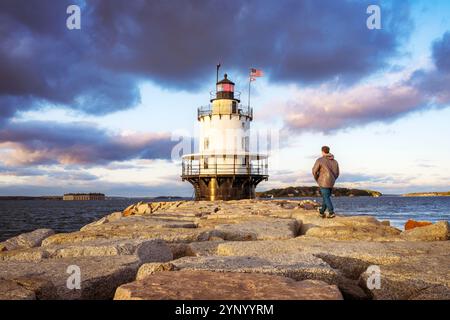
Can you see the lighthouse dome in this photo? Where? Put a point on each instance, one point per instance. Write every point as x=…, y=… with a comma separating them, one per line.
x=226, y=80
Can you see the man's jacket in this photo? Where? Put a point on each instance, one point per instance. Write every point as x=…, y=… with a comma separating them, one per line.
x=326, y=171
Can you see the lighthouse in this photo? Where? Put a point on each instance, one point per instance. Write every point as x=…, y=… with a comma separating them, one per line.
x=224, y=167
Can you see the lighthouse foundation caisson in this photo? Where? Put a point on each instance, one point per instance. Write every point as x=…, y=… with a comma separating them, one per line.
x=224, y=186
x=224, y=168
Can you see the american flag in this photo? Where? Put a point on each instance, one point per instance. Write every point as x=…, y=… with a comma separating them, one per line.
x=254, y=73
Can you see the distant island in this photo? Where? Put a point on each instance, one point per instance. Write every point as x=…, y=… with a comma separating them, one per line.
x=315, y=192
x=427, y=194
x=67, y=196
x=169, y=198
x=83, y=196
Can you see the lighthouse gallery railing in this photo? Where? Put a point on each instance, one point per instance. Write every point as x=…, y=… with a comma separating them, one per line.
x=240, y=110
x=195, y=167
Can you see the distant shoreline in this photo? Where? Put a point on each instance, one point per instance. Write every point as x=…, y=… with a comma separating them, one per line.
x=31, y=198
x=427, y=194
x=260, y=195
x=313, y=191
x=60, y=198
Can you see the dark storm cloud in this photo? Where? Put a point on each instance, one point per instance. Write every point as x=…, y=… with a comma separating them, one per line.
x=436, y=83
x=176, y=43
x=42, y=62
x=441, y=52
x=37, y=142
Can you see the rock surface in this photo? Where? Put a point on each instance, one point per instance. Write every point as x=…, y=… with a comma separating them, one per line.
x=145, y=250
x=104, y=265
x=11, y=290
x=298, y=266
x=269, y=229
x=100, y=276
x=26, y=240
x=141, y=208
x=414, y=278
x=27, y=288
x=169, y=235
x=403, y=275
x=205, y=285
x=366, y=232
x=438, y=231
x=109, y=218
x=345, y=228
x=411, y=224
x=239, y=244
x=150, y=268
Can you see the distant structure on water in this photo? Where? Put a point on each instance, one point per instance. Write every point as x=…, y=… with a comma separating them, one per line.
x=84, y=196
x=224, y=168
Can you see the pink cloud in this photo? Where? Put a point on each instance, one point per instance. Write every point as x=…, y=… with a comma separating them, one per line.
x=326, y=109
x=40, y=142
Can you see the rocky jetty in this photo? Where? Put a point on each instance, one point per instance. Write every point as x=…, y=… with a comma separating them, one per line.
x=247, y=249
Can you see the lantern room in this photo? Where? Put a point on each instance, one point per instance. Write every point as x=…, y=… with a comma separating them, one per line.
x=225, y=89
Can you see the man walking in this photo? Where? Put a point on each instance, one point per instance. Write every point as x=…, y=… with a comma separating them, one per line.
x=325, y=172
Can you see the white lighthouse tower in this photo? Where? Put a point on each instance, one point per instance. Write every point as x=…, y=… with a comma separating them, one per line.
x=224, y=168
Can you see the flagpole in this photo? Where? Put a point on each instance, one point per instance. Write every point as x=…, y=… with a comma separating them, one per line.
x=249, y=85
x=217, y=72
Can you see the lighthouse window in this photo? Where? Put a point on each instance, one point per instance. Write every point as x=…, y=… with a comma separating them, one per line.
x=206, y=143
x=205, y=163
x=225, y=87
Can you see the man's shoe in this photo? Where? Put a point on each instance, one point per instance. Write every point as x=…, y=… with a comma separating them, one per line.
x=331, y=215
x=321, y=214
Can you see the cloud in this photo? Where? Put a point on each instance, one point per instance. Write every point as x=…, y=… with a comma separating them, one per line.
x=326, y=108
x=292, y=40
x=42, y=62
x=441, y=52
x=98, y=69
x=365, y=178
x=22, y=172
x=330, y=107
x=42, y=142
x=60, y=174
x=435, y=82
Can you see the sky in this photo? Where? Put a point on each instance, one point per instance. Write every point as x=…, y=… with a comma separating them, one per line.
x=110, y=106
